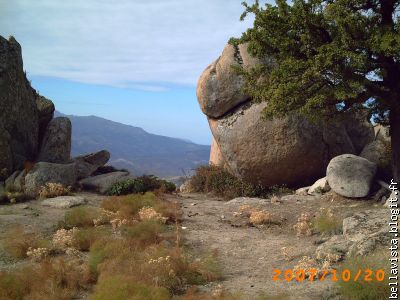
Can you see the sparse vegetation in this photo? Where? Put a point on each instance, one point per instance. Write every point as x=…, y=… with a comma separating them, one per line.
x=143, y=184
x=51, y=190
x=327, y=223
x=17, y=242
x=216, y=180
x=362, y=289
x=81, y=216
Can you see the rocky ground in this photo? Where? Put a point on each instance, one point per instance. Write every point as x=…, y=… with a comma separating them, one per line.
x=248, y=254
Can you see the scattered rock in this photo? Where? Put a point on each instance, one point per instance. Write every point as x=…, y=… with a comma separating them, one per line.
x=87, y=164
x=102, y=183
x=302, y=191
x=56, y=144
x=376, y=152
x=320, y=186
x=19, y=181
x=382, y=133
x=44, y=172
x=362, y=233
x=64, y=201
x=351, y=176
x=9, y=183
x=247, y=201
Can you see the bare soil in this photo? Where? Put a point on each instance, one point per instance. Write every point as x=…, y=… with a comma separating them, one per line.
x=248, y=254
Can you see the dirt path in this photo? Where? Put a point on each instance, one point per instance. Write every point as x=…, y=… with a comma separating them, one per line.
x=249, y=254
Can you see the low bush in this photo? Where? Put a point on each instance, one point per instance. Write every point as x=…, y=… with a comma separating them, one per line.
x=56, y=279
x=142, y=185
x=327, y=223
x=17, y=242
x=216, y=180
x=362, y=289
x=129, y=205
x=81, y=216
x=124, y=287
x=84, y=238
x=51, y=190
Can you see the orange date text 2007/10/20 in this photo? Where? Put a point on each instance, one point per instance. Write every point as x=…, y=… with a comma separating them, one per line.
x=311, y=275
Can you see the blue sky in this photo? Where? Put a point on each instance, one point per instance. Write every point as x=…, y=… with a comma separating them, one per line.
x=131, y=61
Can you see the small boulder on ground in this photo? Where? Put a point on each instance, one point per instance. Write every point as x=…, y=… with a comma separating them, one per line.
x=56, y=144
x=102, y=183
x=44, y=172
x=320, y=186
x=302, y=191
x=64, y=201
x=350, y=175
x=87, y=164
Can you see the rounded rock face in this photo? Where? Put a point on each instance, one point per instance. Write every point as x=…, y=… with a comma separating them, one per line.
x=56, y=145
x=289, y=150
x=219, y=87
x=350, y=175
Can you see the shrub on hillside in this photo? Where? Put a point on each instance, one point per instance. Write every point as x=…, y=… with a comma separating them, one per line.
x=141, y=185
x=216, y=180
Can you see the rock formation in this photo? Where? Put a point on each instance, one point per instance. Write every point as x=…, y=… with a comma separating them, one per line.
x=35, y=149
x=290, y=150
x=19, y=114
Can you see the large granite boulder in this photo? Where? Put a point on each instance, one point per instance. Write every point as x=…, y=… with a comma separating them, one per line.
x=219, y=87
x=56, y=144
x=45, y=172
x=19, y=117
x=350, y=175
x=87, y=164
x=290, y=150
x=216, y=158
x=102, y=183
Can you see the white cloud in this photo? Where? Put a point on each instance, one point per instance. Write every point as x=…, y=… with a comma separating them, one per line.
x=139, y=44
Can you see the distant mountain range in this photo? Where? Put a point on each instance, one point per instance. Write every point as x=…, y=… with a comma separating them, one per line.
x=134, y=149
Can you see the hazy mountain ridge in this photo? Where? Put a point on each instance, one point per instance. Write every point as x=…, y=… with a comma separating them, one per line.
x=135, y=149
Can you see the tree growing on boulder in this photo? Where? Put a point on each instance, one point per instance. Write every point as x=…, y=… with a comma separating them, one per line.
x=328, y=57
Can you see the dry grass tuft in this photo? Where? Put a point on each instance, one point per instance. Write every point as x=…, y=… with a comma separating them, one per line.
x=304, y=226
x=17, y=242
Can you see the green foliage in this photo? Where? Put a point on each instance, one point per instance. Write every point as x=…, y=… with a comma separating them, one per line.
x=141, y=184
x=324, y=57
x=144, y=233
x=81, y=216
x=362, y=289
x=213, y=179
x=327, y=223
x=129, y=205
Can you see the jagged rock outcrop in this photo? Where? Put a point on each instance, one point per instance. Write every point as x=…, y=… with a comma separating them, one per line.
x=290, y=150
x=56, y=144
x=362, y=234
x=19, y=116
x=87, y=164
x=46, y=110
x=350, y=175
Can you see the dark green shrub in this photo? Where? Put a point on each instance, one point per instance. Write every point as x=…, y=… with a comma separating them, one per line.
x=141, y=184
x=216, y=180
